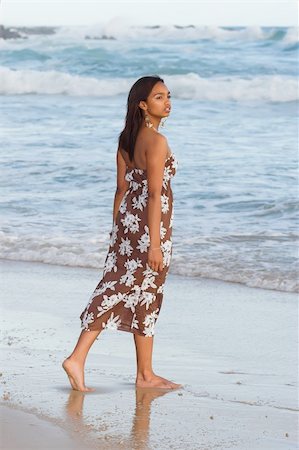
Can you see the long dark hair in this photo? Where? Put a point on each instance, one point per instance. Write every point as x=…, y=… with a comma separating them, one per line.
x=138, y=92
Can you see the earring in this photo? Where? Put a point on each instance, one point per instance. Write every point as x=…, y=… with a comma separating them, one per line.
x=148, y=123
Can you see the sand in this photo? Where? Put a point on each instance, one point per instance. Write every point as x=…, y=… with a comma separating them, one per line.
x=233, y=348
x=22, y=430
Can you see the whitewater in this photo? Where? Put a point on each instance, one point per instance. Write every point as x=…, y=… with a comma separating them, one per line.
x=232, y=127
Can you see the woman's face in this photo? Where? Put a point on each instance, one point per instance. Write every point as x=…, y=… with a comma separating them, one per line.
x=158, y=102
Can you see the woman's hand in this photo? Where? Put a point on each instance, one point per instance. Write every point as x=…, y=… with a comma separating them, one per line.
x=155, y=259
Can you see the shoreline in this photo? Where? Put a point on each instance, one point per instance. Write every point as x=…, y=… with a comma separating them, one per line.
x=231, y=346
x=191, y=278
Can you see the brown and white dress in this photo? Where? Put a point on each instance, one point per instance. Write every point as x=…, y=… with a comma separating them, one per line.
x=129, y=295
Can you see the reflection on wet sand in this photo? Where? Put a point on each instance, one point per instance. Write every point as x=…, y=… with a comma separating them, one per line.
x=139, y=436
x=141, y=421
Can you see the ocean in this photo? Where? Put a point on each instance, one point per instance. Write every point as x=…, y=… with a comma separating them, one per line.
x=232, y=127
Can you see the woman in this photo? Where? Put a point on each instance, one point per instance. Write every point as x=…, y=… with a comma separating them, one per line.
x=129, y=296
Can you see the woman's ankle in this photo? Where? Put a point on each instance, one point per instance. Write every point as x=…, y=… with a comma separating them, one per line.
x=76, y=359
x=145, y=374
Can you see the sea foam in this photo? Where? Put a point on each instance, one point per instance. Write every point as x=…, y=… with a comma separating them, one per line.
x=272, y=88
x=63, y=250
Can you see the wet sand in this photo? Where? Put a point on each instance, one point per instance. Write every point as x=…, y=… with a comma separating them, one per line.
x=22, y=430
x=232, y=347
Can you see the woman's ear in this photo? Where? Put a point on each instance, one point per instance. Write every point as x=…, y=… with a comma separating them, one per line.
x=142, y=105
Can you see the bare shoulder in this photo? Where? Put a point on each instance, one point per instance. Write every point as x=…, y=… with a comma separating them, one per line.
x=157, y=146
x=159, y=138
x=152, y=136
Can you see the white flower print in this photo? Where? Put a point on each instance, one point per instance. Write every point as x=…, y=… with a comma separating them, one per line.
x=138, y=291
x=149, y=323
x=123, y=207
x=134, y=323
x=160, y=289
x=151, y=318
x=162, y=231
x=109, y=285
x=110, y=263
x=149, y=330
x=123, y=204
x=130, y=222
x=149, y=278
x=140, y=202
x=135, y=185
x=87, y=319
x=125, y=247
x=103, y=287
x=166, y=250
x=108, y=302
x=148, y=299
x=132, y=264
x=164, y=203
x=128, y=278
x=114, y=231
x=144, y=241
x=174, y=163
x=167, y=176
x=130, y=175
x=112, y=323
x=149, y=271
x=131, y=300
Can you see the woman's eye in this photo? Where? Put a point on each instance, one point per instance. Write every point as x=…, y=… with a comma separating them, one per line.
x=160, y=96
x=169, y=96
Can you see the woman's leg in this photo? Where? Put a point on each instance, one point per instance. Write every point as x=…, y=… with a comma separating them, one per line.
x=145, y=376
x=74, y=364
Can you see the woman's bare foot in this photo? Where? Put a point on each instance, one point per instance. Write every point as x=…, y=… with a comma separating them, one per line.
x=75, y=373
x=154, y=381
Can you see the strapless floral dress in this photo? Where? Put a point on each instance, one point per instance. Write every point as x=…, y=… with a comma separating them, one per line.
x=129, y=295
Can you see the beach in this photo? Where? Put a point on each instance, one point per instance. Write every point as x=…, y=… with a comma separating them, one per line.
x=232, y=347
x=228, y=327
x=32, y=433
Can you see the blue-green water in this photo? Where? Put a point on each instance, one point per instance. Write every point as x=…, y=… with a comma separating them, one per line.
x=232, y=127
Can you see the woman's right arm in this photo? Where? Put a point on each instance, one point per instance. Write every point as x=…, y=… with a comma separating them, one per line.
x=122, y=184
x=155, y=164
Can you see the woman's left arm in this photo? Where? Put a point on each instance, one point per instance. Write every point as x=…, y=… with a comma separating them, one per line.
x=122, y=184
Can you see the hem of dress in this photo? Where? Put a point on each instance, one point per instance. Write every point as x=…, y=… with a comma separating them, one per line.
x=128, y=330
x=132, y=330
